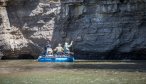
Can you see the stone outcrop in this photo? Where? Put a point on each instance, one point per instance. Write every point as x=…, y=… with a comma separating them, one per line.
x=27, y=25
x=100, y=28
x=104, y=27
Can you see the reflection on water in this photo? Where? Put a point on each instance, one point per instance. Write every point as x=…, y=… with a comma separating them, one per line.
x=79, y=72
x=33, y=65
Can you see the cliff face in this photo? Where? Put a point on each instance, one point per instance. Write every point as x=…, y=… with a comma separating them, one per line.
x=27, y=25
x=105, y=26
x=99, y=27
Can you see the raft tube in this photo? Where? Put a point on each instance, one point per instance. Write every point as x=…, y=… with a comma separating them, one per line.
x=56, y=59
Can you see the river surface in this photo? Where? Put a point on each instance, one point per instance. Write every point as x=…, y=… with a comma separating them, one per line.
x=78, y=72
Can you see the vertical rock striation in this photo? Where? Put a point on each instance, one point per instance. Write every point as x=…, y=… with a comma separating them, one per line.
x=28, y=25
x=4, y=26
x=107, y=27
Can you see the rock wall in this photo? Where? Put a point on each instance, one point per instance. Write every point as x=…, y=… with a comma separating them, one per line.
x=102, y=29
x=28, y=25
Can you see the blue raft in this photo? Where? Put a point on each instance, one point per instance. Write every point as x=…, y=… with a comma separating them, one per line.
x=56, y=59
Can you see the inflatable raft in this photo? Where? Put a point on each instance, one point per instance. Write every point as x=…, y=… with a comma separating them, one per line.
x=49, y=57
x=56, y=59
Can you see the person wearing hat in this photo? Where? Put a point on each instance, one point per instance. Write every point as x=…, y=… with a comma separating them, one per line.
x=49, y=51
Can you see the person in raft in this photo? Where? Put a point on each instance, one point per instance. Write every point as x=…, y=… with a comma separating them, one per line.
x=49, y=51
x=59, y=50
x=66, y=47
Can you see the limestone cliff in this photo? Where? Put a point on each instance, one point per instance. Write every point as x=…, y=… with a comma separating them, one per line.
x=27, y=25
x=100, y=28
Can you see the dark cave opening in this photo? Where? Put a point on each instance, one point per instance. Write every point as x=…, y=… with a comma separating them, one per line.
x=112, y=55
x=122, y=1
x=20, y=56
x=25, y=56
x=4, y=58
x=1, y=3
